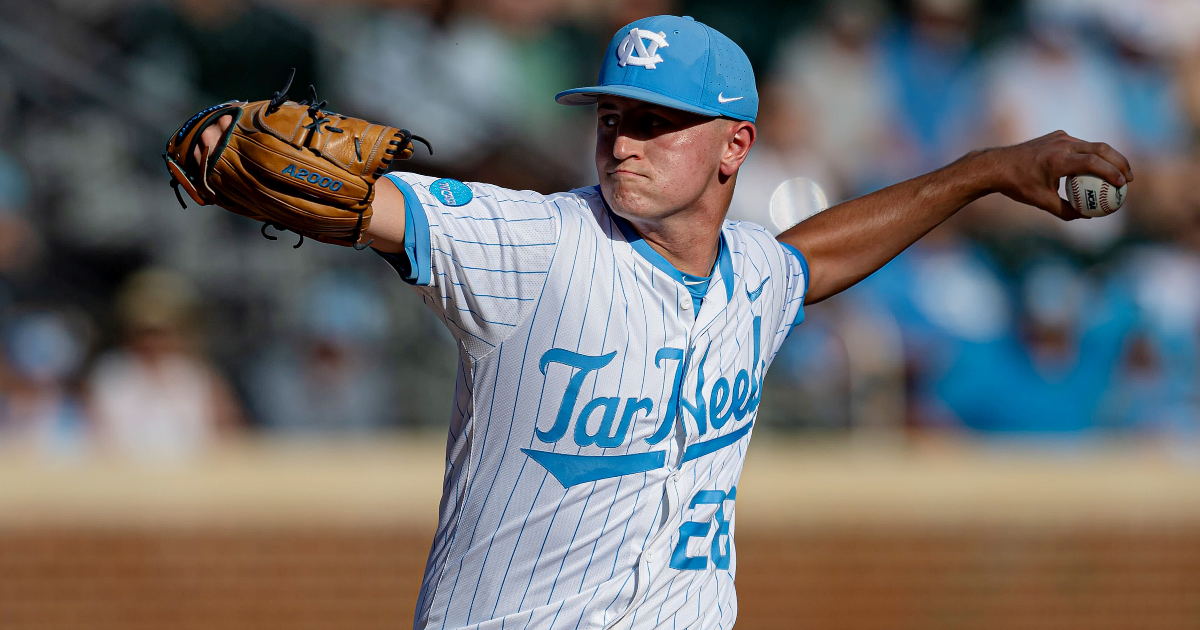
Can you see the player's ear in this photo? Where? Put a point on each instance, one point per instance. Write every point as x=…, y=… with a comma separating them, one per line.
x=739, y=139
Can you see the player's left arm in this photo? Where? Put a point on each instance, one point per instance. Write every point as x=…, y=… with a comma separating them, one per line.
x=851, y=240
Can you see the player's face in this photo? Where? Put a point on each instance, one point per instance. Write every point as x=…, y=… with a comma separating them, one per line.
x=654, y=161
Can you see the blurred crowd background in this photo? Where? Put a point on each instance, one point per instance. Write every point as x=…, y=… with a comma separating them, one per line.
x=130, y=325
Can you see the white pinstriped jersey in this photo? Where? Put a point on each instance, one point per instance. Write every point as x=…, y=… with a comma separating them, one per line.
x=602, y=412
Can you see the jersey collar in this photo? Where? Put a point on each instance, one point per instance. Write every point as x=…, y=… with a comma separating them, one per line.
x=696, y=285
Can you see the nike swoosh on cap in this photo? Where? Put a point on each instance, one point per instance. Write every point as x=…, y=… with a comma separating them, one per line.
x=721, y=98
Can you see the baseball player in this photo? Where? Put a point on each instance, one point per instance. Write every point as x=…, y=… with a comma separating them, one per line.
x=612, y=339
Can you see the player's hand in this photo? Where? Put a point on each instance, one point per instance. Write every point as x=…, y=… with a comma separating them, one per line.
x=210, y=137
x=1030, y=172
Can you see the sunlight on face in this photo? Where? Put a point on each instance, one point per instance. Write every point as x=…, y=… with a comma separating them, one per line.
x=654, y=161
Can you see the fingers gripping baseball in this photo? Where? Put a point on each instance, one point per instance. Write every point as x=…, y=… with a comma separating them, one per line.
x=1111, y=157
x=1090, y=164
x=1030, y=172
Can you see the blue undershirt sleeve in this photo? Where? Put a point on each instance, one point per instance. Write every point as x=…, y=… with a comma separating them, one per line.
x=803, y=291
x=414, y=264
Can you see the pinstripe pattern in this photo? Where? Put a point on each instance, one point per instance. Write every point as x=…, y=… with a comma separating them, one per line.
x=600, y=421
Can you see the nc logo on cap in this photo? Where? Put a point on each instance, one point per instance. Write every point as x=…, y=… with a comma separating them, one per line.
x=706, y=72
x=647, y=56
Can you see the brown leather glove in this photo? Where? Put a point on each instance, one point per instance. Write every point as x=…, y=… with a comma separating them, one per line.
x=290, y=165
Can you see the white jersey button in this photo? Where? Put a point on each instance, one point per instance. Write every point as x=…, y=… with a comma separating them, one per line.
x=686, y=303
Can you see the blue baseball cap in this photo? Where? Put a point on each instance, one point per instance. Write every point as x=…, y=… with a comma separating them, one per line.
x=675, y=62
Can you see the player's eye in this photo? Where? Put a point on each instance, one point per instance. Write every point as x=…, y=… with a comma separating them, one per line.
x=655, y=124
x=609, y=120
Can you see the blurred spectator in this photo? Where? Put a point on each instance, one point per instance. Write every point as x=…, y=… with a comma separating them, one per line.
x=810, y=378
x=1153, y=122
x=19, y=239
x=40, y=406
x=1151, y=62
x=830, y=96
x=1053, y=375
x=157, y=398
x=843, y=369
x=193, y=53
x=934, y=74
x=119, y=205
x=943, y=293
x=1158, y=391
x=335, y=379
x=1054, y=78
x=479, y=84
x=1189, y=82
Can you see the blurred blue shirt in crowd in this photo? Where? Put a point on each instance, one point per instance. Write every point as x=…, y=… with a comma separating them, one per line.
x=1000, y=386
x=937, y=86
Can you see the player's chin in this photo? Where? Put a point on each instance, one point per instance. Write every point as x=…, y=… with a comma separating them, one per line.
x=627, y=201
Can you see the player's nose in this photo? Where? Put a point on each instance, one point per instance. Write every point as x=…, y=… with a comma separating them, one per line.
x=625, y=147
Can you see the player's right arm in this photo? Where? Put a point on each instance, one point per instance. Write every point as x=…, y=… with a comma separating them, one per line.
x=387, y=224
x=850, y=241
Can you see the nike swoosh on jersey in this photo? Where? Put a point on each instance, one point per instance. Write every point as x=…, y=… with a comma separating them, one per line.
x=721, y=98
x=753, y=295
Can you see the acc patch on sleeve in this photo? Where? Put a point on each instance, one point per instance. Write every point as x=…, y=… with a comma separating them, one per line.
x=451, y=192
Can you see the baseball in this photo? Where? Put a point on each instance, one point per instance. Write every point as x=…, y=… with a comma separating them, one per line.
x=1094, y=197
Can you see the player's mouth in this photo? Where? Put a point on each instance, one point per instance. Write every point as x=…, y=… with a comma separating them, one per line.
x=620, y=172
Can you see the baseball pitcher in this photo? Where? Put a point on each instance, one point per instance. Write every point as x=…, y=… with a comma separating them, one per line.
x=612, y=339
